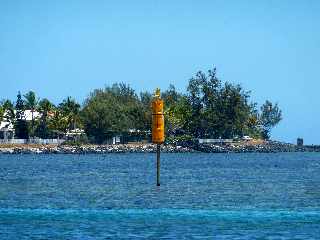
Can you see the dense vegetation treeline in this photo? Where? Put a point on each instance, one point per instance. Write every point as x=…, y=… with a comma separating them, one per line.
x=208, y=109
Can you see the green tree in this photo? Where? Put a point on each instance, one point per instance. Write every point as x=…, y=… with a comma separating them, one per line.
x=218, y=110
x=45, y=108
x=233, y=111
x=211, y=99
x=172, y=110
x=270, y=116
x=195, y=98
x=1, y=113
x=71, y=110
x=112, y=111
x=101, y=116
x=8, y=111
x=177, y=117
x=58, y=124
x=21, y=127
x=146, y=104
x=31, y=103
x=252, y=127
x=170, y=96
x=130, y=106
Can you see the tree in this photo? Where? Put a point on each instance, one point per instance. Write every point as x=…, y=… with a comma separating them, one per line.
x=177, y=117
x=58, y=124
x=233, y=111
x=45, y=108
x=252, y=127
x=21, y=127
x=102, y=114
x=31, y=103
x=270, y=116
x=219, y=110
x=209, y=108
x=1, y=113
x=112, y=111
x=71, y=110
x=172, y=110
x=146, y=102
x=170, y=96
x=195, y=99
x=8, y=114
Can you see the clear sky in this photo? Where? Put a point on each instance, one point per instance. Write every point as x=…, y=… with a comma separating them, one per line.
x=60, y=48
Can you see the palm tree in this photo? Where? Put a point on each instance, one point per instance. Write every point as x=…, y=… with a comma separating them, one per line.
x=71, y=109
x=1, y=113
x=45, y=108
x=31, y=102
x=8, y=111
x=7, y=115
x=58, y=123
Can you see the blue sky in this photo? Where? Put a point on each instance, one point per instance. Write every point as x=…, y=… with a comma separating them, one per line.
x=61, y=48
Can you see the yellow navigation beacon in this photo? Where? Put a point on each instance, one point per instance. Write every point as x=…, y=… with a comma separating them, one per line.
x=157, y=118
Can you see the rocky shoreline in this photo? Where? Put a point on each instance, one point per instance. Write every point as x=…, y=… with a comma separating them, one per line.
x=266, y=147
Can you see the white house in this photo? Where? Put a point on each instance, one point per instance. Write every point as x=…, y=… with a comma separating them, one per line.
x=28, y=115
x=6, y=128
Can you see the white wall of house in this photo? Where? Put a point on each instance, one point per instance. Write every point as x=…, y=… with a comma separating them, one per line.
x=28, y=115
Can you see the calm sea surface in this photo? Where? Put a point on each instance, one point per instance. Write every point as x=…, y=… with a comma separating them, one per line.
x=202, y=196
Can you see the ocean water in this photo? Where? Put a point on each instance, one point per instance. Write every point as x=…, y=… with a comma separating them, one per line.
x=202, y=196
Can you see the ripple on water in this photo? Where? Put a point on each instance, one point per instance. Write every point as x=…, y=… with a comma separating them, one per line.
x=225, y=196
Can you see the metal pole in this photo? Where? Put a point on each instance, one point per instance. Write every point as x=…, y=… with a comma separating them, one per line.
x=158, y=164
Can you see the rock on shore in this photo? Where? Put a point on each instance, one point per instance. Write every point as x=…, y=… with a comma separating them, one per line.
x=98, y=149
x=265, y=147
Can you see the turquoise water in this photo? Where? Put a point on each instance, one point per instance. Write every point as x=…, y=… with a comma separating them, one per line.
x=202, y=196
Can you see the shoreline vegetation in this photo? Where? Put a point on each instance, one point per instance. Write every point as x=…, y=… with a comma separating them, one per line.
x=207, y=109
x=240, y=147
